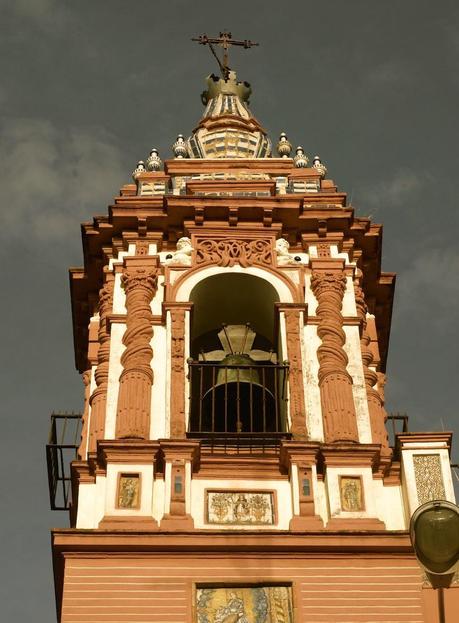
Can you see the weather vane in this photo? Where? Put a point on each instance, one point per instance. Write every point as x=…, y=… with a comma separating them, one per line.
x=224, y=40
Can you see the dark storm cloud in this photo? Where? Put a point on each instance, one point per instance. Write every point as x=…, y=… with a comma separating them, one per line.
x=89, y=87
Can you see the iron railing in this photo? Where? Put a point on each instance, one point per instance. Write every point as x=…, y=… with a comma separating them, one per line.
x=61, y=450
x=240, y=399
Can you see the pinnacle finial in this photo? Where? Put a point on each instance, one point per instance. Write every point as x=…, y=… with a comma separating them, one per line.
x=300, y=160
x=284, y=147
x=140, y=168
x=319, y=166
x=179, y=148
x=154, y=162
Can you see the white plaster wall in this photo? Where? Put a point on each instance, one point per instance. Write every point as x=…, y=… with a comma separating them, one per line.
x=355, y=369
x=91, y=500
x=159, y=398
x=146, y=489
x=321, y=500
x=157, y=301
x=283, y=496
x=349, y=308
x=309, y=297
x=334, y=499
x=119, y=258
x=294, y=489
x=115, y=369
x=119, y=296
x=389, y=505
x=167, y=487
x=311, y=342
x=158, y=499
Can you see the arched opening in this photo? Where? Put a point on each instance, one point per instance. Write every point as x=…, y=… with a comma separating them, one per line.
x=238, y=380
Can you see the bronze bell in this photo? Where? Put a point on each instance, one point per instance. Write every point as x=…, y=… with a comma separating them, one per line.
x=238, y=402
x=244, y=370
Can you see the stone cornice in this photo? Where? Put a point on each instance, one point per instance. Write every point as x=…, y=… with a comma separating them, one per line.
x=366, y=542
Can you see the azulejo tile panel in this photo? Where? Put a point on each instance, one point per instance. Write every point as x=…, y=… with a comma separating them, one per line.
x=240, y=507
x=250, y=604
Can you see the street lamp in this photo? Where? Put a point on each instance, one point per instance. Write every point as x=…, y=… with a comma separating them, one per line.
x=434, y=534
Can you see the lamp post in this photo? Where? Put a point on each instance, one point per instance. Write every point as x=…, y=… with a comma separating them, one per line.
x=434, y=534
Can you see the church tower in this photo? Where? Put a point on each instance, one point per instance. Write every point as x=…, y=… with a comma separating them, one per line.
x=231, y=324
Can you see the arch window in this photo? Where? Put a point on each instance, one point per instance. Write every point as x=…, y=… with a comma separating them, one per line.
x=238, y=380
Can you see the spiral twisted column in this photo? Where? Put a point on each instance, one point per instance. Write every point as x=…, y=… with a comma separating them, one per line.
x=139, y=279
x=338, y=411
x=98, y=399
x=376, y=409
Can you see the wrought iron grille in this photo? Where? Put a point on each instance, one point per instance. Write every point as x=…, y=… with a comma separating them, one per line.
x=61, y=450
x=237, y=399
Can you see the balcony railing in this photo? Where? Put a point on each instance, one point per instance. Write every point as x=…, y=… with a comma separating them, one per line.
x=61, y=450
x=237, y=399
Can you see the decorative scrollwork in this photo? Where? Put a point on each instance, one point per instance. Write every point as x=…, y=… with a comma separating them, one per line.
x=230, y=251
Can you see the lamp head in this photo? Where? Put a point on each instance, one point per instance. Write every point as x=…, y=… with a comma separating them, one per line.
x=434, y=533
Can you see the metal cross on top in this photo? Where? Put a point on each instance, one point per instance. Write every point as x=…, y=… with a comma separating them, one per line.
x=224, y=40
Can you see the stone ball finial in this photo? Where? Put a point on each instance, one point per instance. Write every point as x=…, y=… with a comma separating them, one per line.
x=179, y=147
x=140, y=168
x=319, y=166
x=300, y=160
x=284, y=147
x=154, y=162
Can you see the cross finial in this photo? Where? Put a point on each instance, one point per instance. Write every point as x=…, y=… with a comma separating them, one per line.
x=224, y=40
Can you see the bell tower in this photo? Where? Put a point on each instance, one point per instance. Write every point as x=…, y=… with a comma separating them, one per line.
x=231, y=324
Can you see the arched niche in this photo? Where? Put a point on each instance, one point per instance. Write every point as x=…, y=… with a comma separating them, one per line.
x=236, y=390
x=233, y=299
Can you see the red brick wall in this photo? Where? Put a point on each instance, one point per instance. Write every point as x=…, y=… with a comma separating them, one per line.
x=137, y=589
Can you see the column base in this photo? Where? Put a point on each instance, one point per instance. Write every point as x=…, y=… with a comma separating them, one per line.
x=115, y=522
x=176, y=523
x=361, y=523
x=305, y=523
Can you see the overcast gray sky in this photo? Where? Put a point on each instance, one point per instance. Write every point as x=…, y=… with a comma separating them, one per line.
x=87, y=88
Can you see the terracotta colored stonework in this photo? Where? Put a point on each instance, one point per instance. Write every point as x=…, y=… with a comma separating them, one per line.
x=98, y=398
x=334, y=381
x=177, y=395
x=140, y=277
x=86, y=377
x=297, y=408
x=228, y=251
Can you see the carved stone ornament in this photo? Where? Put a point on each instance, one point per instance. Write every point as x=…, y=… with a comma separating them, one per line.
x=177, y=404
x=183, y=254
x=429, y=478
x=335, y=383
x=98, y=399
x=230, y=251
x=296, y=383
x=133, y=412
x=283, y=256
x=240, y=508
